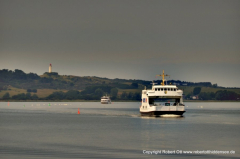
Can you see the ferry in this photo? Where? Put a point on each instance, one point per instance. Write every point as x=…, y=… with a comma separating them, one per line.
x=165, y=93
x=105, y=100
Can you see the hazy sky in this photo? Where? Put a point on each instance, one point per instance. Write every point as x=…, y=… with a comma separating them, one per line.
x=197, y=41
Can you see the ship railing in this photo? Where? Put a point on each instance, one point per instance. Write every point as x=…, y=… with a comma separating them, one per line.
x=164, y=104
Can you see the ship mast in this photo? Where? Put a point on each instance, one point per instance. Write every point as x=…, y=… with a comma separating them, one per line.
x=163, y=75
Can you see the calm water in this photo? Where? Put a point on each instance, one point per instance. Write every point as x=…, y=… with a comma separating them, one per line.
x=55, y=130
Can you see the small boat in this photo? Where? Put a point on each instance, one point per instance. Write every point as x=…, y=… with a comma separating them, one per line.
x=105, y=100
x=166, y=93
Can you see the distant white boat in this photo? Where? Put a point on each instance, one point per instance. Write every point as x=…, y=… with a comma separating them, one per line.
x=150, y=108
x=105, y=100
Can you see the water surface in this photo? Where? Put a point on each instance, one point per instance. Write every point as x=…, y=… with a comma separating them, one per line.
x=56, y=130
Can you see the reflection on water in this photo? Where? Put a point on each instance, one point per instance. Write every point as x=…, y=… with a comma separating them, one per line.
x=56, y=130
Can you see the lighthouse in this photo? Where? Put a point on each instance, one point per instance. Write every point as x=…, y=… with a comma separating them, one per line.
x=50, y=68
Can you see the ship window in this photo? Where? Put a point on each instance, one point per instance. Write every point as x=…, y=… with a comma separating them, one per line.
x=158, y=89
x=171, y=89
x=155, y=89
x=161, y=89
x=168, y=89
x=174, y=89
x=167, y=104
x=165, y=89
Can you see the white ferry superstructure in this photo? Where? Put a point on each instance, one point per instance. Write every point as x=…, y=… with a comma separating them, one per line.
x=105, y=100
x=162, y=91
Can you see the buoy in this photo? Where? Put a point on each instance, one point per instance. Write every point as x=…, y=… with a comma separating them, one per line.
x=78, y=111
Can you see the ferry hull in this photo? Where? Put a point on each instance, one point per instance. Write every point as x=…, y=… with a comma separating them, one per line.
x=159, y=113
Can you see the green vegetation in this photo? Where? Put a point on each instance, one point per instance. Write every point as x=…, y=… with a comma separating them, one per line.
x=216, y=95
x=226, y=95
x=93, y=93
x=197, y=90
x=114, y=93
x=219, y=95
x=17, y=85
x=207, y=96
x=24, y=96
x=32, y=90
x=6, y=96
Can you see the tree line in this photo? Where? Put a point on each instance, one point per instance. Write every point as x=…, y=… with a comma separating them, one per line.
x=90, y=93
x=94, y=93
x=219, y=95
x=21, y=96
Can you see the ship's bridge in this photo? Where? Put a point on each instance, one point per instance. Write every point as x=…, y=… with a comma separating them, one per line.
x=164, y=91
x=160, y=87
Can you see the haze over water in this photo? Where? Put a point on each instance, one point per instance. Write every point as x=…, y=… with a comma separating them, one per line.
x=55, y=130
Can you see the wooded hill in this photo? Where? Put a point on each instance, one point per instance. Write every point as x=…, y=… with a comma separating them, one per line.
x=21, y=85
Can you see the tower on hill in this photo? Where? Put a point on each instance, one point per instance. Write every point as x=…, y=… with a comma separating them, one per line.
x=50, y=68
x=50, y=73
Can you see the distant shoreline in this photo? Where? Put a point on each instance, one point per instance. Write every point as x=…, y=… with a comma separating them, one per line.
x=112, y=101
x=65, y=101
x=211, y=101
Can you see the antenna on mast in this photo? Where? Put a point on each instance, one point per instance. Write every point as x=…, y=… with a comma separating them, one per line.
x=163, y=75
